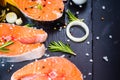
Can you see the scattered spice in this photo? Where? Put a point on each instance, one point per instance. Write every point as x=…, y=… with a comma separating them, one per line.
x=102, y=18
x=44, y=5
x=60, y=9
x=43, y=67
x=25, y=8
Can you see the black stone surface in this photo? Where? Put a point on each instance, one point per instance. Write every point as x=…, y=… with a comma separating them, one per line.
x=106, y=45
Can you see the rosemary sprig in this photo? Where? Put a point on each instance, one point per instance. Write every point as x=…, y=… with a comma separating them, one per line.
x=3, y=47
x=72, y=17
x=60, y=46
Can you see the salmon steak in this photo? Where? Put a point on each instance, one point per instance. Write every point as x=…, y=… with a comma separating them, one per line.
x=52, y=68
x=27, y=42
x=41, y=10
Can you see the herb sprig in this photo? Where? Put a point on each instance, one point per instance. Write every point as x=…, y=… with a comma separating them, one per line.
x=60, y=46
x=3, y=47
x=72, y=17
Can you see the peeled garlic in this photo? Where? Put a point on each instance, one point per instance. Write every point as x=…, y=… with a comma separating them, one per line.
x=19, y=21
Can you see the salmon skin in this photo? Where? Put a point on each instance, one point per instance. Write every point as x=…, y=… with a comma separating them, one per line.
x=27, y=42
x=41, y=10
x=52, y=68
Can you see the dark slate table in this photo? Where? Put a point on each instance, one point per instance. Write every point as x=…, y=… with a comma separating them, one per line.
x=98, y=56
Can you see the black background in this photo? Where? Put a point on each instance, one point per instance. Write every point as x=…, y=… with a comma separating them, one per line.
x=92, y=12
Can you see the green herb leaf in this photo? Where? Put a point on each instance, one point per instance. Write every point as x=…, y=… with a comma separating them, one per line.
x=59, y=46
x=39, y=6
x=29, y=25
x=72, y=17
x=4, y=50
x=2, y=47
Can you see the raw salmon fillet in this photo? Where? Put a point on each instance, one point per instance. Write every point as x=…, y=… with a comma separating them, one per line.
x=52, y=68
x=26, y=44
x=22, y=33
x=41, y=10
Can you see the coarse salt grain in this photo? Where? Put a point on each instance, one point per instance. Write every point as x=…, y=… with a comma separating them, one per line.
x=49, y=2
x=88, y=42
x=91, y=60
x=60, y=28
x=77, y=12
x=97, y=37
x=68, y=40
x=44, y=60
x=89, y=73
x=31, y=63
x=46, y=55
x=12, y=65
x=62, y=56
x=103, y=7
x=3, y=65
x=105, y=58
x=10, y=68
x=36, y=60
x=49, y=78
x=110, y=36
x=80, y=6
x=87, y=54
x=46, y=48
x=11, y=27
x=84, y=76
x=70, y=3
